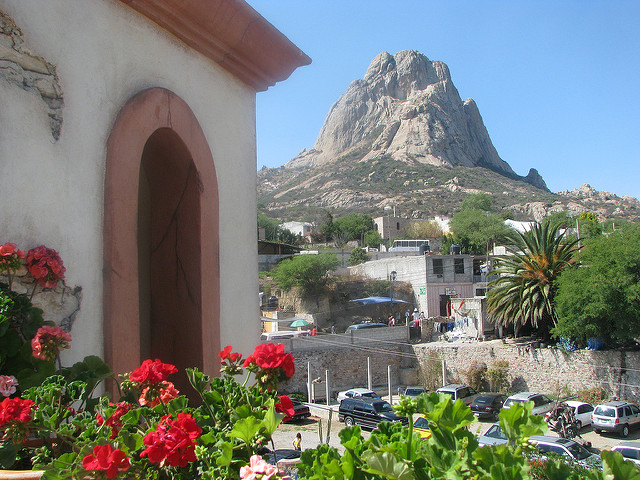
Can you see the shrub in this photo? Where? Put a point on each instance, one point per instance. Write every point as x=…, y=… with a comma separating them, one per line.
x=592, y=395
x=498, y=376
x=476, y=375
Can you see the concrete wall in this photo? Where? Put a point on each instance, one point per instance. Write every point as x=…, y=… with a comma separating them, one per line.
x=52, y=192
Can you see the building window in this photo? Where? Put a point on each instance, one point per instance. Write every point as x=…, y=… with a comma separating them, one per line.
x=437, y=266
x=481, y=292
x=458, y=265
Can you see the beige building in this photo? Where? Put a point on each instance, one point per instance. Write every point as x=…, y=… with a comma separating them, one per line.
x=127, y=129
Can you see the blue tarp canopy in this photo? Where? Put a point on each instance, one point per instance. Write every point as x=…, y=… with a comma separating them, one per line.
x=376, y=300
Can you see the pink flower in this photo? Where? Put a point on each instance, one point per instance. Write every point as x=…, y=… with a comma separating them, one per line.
x=49, y=342
x=258, y=466
x=8, y=384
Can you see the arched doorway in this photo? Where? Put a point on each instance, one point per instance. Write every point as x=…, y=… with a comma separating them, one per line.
x=161, y=262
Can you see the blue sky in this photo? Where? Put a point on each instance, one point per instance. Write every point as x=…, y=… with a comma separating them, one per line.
x=556, y=82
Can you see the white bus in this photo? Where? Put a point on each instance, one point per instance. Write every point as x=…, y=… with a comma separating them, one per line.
x=410, y=246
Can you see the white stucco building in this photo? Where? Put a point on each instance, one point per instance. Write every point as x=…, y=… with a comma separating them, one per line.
x=127, y=131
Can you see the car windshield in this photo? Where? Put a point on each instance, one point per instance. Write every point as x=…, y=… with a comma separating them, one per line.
x=578, y=451
x=413, y=391
x=383, y=407
x=484, y=399
x=605, y=411
x=451, y=394
x=421, y=423
x=496, y=432
x=370, y=395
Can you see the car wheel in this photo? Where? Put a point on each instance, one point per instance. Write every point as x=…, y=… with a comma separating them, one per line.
x=348, y=421
x=625, y=431
x=598, y=431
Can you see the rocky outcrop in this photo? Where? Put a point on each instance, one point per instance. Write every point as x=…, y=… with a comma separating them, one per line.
x=407, y=108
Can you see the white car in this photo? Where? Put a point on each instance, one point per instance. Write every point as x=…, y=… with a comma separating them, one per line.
x=357, y=392
x=459, y=392
x=582, y=411
x=629, y=450
x=541, y=403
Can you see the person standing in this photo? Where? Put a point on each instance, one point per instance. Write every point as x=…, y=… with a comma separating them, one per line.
x=297, y=442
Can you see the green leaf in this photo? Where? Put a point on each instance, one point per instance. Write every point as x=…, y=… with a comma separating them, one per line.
x=616, y=468
x=226, y=450
x=388, y=465
x=245, y=429
x=132, y=441
x=8, y=452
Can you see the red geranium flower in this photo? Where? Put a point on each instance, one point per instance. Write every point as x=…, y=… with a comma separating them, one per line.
x=115, y=420
x=10, y=257
x=49, y=342
x=106, y=458
x=45, y=265
x=269, y=356
x=152, y=397
x=15, y=410
x=172, y=442
x=285, y=405
x=226, y=354
x=152, y=371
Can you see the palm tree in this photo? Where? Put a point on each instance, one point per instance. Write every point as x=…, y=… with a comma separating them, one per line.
x=524, y=291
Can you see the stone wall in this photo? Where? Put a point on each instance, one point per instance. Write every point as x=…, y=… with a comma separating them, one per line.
x=348, y=369
x=547, y=370
x=531, y=368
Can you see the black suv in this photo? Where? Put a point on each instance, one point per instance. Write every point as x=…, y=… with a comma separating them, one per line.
x=367, y=412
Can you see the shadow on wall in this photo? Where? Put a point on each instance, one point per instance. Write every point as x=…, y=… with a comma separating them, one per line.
x=519, y=384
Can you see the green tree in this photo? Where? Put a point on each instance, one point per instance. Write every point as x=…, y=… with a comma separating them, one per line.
x=525, y=289
x=423, y=230
x=355, y=225
x=373, y=239
x=477, y=201
x=273, y=232
x=561, y=219
x=475, y=227
x=358, y=255
x=601, y=298
x=325, y=227
x=309, y=272
x=589, y=225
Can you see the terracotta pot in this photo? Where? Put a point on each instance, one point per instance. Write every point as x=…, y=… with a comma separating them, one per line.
x=20, y=474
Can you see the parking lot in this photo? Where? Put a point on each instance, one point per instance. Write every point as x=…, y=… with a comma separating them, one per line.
x=284, y=436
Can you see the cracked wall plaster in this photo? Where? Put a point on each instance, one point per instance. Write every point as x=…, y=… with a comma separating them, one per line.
x=30, y=72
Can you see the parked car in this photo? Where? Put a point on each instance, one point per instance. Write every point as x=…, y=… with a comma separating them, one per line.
x=541, y=403
x=488, y=405
x=616, y=416
x=421, y=427
x=367, y=412
x=493, y=436
x=568, y=449
x=581, y=411
x=413, y=392
x=357, y=392
x=629, y=450
x=362, y=326
x=459, y=392
x=301, y=409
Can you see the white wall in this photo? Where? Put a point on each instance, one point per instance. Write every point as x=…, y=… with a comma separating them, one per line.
x=52, y=192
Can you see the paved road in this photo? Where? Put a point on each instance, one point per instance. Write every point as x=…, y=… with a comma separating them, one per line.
x=286, y=433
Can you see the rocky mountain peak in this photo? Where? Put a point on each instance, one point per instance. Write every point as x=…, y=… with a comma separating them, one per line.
x=406, y=108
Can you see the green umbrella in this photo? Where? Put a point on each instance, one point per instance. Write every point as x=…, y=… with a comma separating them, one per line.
x=299, y=322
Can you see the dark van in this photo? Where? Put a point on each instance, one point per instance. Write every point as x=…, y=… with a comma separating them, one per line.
x=367, y=412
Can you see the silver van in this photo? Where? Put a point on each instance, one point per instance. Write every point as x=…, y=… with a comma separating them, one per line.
x=616, y=416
